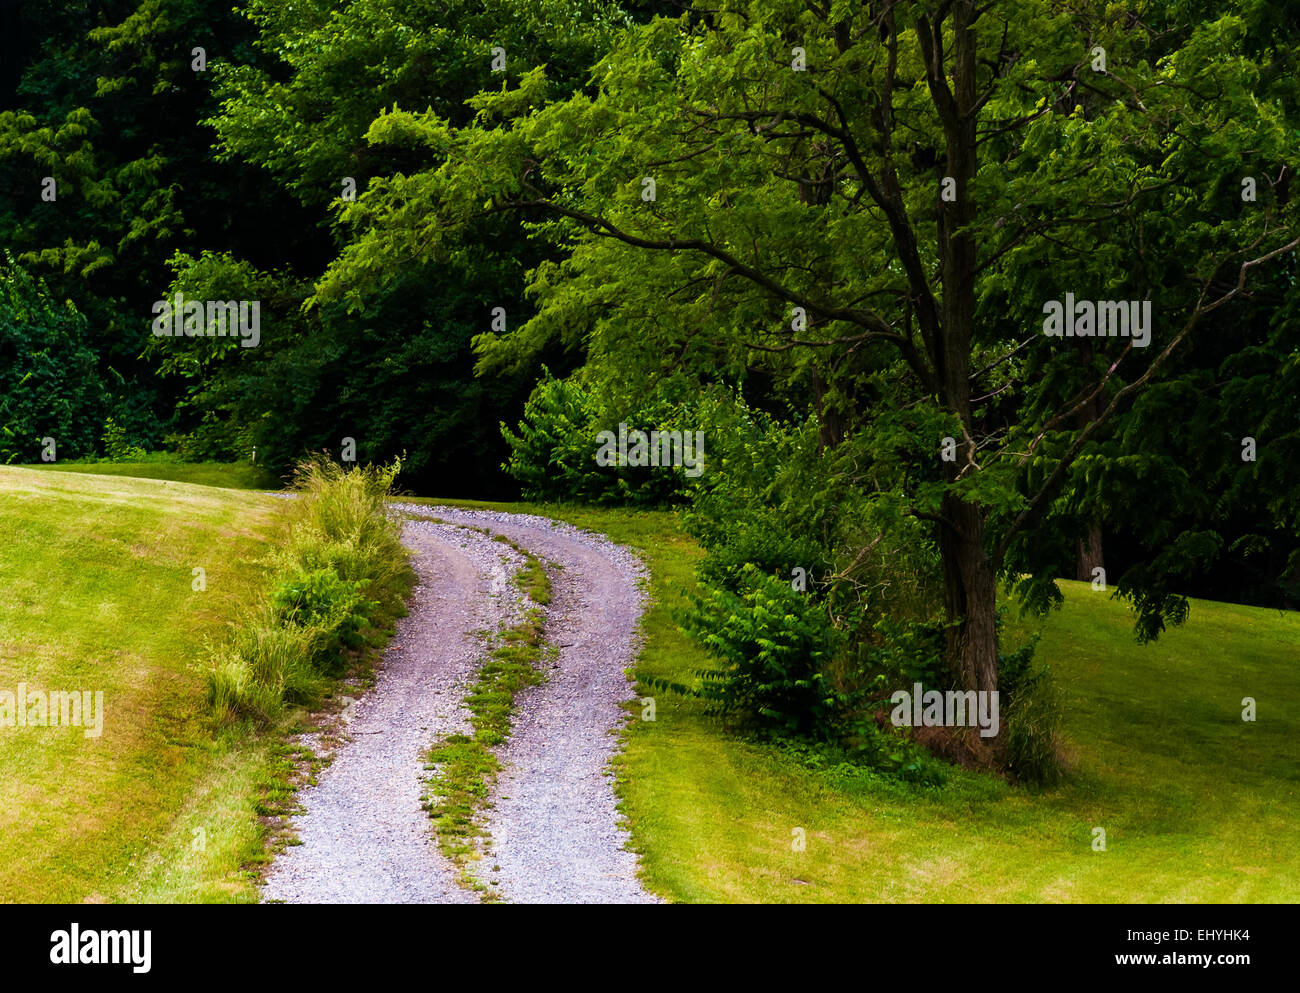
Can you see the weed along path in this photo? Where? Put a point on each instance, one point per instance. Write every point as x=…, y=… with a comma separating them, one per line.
x=546, y=828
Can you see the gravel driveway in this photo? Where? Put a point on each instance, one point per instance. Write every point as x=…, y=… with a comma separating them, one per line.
x=555, y=829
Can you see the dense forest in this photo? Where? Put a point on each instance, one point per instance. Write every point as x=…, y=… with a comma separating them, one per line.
x=953, y=297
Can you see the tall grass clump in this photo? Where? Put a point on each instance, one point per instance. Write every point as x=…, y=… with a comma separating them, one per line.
x=340, y=574
x=1035, y=715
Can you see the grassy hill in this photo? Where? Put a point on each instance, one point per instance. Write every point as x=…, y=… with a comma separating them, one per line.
x=97, y=575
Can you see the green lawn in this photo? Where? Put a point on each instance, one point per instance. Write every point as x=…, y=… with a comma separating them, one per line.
x=97, y=575
x=236, y=476
x=1197, y=805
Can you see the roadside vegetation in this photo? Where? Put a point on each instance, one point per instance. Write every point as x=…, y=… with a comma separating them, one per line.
x=341, y=577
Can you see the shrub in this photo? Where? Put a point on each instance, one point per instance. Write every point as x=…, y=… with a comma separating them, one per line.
x=553, y=451
x=116, y=446
x=757, y=537
x=774, y=500
x=50, y=385
x=772, y=642
x=872, y=751
x=551, y=456
x=910, y=651
x=337, y=607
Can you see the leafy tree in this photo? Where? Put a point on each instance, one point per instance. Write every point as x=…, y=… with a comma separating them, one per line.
x=390, y=362
x=104, y=100
x=49, y=385
x=852, y=196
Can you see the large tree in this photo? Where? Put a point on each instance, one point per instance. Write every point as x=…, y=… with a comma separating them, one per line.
x=846, y=191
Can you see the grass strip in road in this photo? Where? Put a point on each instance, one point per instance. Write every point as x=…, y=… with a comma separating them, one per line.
x=466, y=765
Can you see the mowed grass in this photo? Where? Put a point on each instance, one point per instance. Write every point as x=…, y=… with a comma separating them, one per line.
x=97, y=573
x=229, y=475
x=1196, y=804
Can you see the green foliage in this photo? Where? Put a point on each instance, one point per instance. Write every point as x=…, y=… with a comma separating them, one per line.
x=234, y=687
x=116, y=446
x=342, y=521
x=396, y=375
x=553, y=452
x=342, y=574
x=1034, y=715
x=552, y=455
x=1033, y=710
x=773, y=646
x=1016, y=667
x=389, y=362
x=338, y=66
x=224, y=413
x=910, y=651
x=768, y=499
x=321, y=599
x=776, y=646
x=278, y=662
x=719, y=278
x=49, y=382
x=873, y=754
x=106, y=104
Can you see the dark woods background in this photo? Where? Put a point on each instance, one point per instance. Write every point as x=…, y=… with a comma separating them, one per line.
x=104, y=98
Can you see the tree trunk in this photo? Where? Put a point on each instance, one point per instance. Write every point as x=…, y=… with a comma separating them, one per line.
x=830, y=426
x=1090, y=548
x=970, y=597
x=970, y=579
x=1091, y=553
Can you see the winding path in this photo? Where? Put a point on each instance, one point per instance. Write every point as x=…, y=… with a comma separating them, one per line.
x=555, y=830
